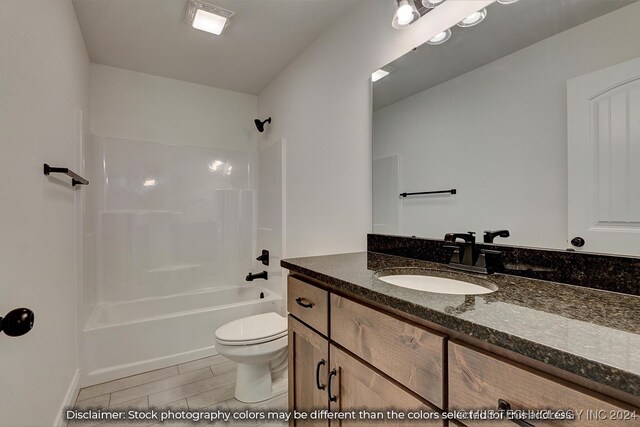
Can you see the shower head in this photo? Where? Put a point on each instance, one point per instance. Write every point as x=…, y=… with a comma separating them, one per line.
x=260, y=124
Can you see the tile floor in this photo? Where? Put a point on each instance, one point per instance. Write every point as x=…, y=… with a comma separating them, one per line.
x=203, y=383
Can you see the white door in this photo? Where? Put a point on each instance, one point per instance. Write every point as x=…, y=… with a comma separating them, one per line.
x=604, y=159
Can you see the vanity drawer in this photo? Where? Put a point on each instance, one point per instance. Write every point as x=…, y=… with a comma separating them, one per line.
x=309, y=304
x=407, y=353
x=478, y=380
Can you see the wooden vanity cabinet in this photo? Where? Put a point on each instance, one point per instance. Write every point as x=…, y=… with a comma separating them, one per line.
x=308, y=368
x=354, y=386
x=364, y=358
x=324, y=376
x=411, y=355
x=480, y=380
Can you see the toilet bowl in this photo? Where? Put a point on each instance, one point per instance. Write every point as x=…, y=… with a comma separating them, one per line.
x=259, y=345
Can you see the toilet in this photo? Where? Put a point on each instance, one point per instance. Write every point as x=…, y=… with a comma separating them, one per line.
x=259, y=345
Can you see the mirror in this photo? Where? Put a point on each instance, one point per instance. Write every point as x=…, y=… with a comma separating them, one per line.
x=532, y=116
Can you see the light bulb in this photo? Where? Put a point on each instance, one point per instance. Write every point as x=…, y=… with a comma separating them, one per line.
x=405, y=14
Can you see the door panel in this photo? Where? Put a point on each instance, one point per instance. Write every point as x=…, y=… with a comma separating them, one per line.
x=357, y=386
x=306, y=350
x=604, y=159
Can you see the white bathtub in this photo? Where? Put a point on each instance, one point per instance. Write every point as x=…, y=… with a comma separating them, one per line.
x=130, y=337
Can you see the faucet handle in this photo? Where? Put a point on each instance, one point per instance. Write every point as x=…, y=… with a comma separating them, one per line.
x=456, y=256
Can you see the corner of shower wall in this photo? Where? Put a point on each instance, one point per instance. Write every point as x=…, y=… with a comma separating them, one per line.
x=92, y=194
x=271, y=211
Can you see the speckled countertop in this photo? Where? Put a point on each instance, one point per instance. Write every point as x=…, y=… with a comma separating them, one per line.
x=591, y=333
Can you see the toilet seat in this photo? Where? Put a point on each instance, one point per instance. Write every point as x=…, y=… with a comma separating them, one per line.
x=252, y=330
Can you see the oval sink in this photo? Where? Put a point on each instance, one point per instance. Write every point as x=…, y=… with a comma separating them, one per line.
x=440, y=285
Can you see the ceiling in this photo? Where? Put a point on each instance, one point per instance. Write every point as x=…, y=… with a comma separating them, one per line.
x=506, y=29
x=152, y=36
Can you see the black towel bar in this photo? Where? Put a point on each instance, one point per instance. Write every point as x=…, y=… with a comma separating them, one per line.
x=452, y=191
x=75, y=178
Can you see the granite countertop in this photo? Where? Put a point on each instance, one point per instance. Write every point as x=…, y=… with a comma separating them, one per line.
x=592, y=333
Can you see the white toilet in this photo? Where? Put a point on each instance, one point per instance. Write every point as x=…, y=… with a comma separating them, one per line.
x=259, y=345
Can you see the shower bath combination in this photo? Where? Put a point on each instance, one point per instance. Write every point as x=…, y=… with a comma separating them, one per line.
x=260, y=124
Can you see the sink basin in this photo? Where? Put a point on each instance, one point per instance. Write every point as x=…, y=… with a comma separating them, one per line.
x=440, y=285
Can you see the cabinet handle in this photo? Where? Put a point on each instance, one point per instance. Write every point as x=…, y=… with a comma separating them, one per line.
x=332, y=398
x=503, y=405
x=318, y=366
x=307, y=304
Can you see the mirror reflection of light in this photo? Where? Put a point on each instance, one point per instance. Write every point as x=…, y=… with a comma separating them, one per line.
x=433, y=3
x=474, y=19
x=149, y=182
x=215, y=165
x=228, y=171
x=439, y=38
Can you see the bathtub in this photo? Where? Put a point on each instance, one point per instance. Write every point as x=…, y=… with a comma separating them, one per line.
x=126, y=338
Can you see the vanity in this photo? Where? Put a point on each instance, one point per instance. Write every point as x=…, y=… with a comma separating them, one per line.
x=523, y=127
x=357, y=342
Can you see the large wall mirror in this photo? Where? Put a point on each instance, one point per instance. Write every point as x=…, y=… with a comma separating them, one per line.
x=532, y=116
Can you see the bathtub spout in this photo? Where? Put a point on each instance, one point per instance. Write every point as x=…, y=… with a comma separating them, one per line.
x=252, y=276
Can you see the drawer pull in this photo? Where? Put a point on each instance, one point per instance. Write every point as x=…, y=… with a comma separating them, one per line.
x=332, y=398
x=318, y=366
x=503, y=405
x=301, y=303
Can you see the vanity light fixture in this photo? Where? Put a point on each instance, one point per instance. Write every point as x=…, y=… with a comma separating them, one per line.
x=381, y=73
x=405, y=14
x=430, y=4
x=440, y=38
x=207, y=17
x=474, y=19
x=507, y=1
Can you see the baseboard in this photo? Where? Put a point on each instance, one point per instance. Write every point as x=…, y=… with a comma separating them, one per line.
x=115, y=372
x=69, y=399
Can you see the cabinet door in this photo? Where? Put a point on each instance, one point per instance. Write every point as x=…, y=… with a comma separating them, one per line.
x=308, y=367
x=355, y=386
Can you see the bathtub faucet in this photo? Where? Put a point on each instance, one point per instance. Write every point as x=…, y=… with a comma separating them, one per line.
x=251, y=276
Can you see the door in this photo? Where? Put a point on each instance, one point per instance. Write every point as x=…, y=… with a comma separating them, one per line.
x=604, y=160
x=354, y=385
x=308, y=364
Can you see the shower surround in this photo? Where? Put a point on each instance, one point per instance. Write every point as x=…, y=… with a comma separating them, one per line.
x=169, y=237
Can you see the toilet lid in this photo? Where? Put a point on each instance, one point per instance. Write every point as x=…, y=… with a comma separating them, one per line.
x=253, y=329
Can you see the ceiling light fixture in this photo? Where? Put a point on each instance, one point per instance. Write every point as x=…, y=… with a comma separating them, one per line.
x=207, y=17
x=440, y=38
x=430, y=4
x=406, y=13
x=381, y=73
x=474, y=19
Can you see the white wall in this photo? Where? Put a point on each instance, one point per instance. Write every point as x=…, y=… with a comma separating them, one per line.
x=44, y=80
x=498, y=135
x=131, y=105
x=321, y=104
